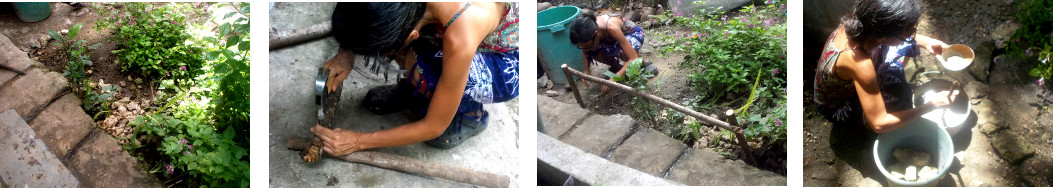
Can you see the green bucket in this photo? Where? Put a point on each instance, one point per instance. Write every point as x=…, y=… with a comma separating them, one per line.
x=32, y=12
x=553, y=41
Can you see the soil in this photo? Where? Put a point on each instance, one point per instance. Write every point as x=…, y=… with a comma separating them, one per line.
x=672, y=84
x=833, y=151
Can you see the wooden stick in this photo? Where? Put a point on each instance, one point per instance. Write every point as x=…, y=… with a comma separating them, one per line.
x=296, y=36
x=652, y=98
x=411, y=165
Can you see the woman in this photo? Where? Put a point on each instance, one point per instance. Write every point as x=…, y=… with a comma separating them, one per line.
x=467, y=54
x=608, y=39
x=860, y=77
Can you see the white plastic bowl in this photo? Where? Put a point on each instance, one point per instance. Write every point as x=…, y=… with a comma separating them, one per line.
x=956, y=57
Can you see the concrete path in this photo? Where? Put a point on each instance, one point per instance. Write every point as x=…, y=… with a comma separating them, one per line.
x=42, y=99
x=617, y=139
x=292, y=112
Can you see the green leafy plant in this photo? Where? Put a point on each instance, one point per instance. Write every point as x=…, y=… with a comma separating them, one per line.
x=198, y=148
x=154, y=41
x=736, y=61
x=232, y=70
x=201, y=130
x=76, y=54
x=97, y=103
x=1034, y=38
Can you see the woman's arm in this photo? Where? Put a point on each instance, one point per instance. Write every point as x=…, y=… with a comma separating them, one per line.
x=459, y=44
x=615, y=31
x=588, y=67
x=864, y=78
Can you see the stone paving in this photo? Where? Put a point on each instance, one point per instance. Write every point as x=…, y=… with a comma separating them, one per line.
x=617, y=139
x=42, y=99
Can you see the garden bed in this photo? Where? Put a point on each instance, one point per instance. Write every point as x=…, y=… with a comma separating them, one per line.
x=678, y=81
x=179, y=101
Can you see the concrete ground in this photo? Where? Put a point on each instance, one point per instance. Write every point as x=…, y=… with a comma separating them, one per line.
x=292, y=112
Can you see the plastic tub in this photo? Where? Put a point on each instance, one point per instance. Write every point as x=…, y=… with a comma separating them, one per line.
x=32, y=12
x=952, y=117
x=553, y=41
x=920, y=135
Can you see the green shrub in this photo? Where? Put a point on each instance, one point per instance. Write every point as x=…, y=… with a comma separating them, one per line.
x=76, y=54
x=197, y=148
x=1034, y=37
x=232, y=71
x=154, y=41
x=737, y=60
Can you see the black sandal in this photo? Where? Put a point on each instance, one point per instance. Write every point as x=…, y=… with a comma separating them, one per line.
x=454, y=136
x=390, y=98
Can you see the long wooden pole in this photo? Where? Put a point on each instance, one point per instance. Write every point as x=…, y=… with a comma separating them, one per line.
x=286, y=38
x=740, y=138
x=411, y=165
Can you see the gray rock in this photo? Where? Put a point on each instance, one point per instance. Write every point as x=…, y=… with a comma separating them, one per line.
x=31, y=91
x=62, y=124
x=1011, y=146
x=101, y=162
x=977, y=90
x=989, y=128
x=981, y=66
x=551, y=93
x=1004, y=31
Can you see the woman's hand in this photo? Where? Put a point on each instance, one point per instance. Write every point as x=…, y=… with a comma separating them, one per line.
x=339, y=67
x=338, y=142
x=606, y=89
x=933, y=45
x=943, y=98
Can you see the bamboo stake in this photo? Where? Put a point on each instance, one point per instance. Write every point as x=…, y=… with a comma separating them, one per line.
x=653, y=98
x=733, y=127
x=411, y=165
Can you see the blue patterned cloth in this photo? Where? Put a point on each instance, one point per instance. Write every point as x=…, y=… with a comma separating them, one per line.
x=895, y=89
x=611, y=48
x=493, y=78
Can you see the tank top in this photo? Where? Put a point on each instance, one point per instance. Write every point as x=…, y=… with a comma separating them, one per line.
x=505, y=37
x=829, y=90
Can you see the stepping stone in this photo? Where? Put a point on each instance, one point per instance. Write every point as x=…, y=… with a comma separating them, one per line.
x=25, y=160
x=599, y=132
x=558, y=117
x=648, y=151
x=101, y=162
x=63, y=124
x=702, y=167
x=32, y=91
x=10, y=55
x=557, y=160
x=1011, y=146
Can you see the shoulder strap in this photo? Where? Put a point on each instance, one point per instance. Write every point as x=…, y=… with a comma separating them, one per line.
x=458, y=14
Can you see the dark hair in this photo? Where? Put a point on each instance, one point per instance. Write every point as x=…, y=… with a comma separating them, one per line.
x=874, y=19
x=374, y=28
x=583, y=28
